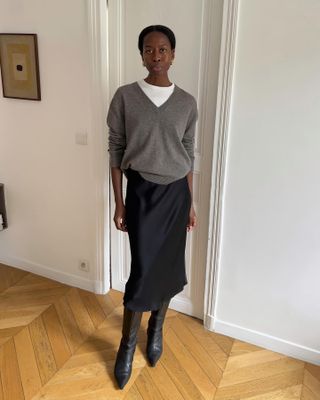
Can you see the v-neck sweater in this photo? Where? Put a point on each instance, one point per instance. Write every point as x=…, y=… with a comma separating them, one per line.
x=157, y=94
x=158, y=142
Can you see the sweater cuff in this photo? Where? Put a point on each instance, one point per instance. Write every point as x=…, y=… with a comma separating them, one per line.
x=192, y=163
x=115, y=158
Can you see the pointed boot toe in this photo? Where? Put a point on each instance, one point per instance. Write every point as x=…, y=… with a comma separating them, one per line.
x=154, y=346
x=153, y=357
x=122, y=379
x=123, y=368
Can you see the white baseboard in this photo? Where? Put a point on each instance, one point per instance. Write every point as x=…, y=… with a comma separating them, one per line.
x=263, y=340
x=59, y=276
x=99, y=288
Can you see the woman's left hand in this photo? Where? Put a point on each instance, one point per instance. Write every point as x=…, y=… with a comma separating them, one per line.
x=192, y=219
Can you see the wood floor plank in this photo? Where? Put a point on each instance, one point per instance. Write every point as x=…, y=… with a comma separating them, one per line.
x=133, y=393
x=307, y=394
x=161, y=379
x=257, y=371
x=20, y=289
x=29, y=372
x=9, y=332
x=311, y=382
x=146, y=387
x=75, y=388
x=106, y=303
x=42, y=350
x=85, y=388
x=86, y=370
x=10, y=301
x=20, y=317
x=116, y=297
x=69, y=324
x=33, y=279
x=106, y=338
x=290, y=393
x=32, y=282
x=314, y=370
x=260, y=386
x=80, y=313
x=200, y=354
x=93, y=307
x=10, y=374
x=200, y=379
x=79, y=360
x=205, y=338
x=225, y=342
x=58, y=341
x=4, y=340
x=179, y=376
x=240, y=348
x=253, y=359
x=115, y=318
x=1, y=389
x=19, y=292
x=91, y=357
x=10, y=276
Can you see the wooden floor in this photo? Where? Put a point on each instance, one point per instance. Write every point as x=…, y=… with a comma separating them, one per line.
x=59, y=342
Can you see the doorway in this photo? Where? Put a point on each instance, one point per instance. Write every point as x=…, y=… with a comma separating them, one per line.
x=197, y=26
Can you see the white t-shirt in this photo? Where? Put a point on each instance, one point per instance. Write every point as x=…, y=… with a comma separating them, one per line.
x=157, y=94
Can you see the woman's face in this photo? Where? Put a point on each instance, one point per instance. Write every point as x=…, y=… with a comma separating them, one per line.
x=157, y=54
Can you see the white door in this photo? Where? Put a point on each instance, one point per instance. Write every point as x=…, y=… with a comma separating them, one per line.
x=197, y=26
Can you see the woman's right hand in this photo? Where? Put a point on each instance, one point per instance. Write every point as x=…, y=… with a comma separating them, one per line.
x=120, y=218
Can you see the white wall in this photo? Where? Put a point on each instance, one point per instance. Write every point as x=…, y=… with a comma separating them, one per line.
x=268, y=289
x=49, y=179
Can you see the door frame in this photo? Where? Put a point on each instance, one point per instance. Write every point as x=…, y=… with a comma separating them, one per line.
x=212, y=13
x=97, y=22
x=97, y=11
x=220, y=143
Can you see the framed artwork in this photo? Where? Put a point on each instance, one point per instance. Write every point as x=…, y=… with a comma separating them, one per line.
x=20, y=66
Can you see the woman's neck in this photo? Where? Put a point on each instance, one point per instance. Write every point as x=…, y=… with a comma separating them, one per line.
x=158, y=80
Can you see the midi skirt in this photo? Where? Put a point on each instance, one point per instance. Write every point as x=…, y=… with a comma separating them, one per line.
x=156, y=217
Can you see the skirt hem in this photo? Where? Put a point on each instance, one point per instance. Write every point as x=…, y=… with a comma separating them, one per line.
x=155, y=306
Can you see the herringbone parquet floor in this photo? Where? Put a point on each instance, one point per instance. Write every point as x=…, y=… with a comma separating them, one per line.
x=59, y=342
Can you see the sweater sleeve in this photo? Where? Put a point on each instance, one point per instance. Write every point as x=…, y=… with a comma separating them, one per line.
x=117, y=137
x=188, y=139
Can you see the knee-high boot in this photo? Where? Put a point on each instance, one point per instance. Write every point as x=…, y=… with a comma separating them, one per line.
x=154, y=331
x=130, y=327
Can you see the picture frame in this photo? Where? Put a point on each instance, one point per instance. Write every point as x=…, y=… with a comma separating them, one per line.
x=20, y=66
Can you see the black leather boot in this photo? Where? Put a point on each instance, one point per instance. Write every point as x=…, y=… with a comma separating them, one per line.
x=130, y=328
x=154, y=331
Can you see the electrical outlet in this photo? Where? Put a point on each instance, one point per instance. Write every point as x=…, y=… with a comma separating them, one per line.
x=84, y=265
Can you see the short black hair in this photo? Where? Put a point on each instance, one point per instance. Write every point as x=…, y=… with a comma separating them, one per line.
x=157, y=28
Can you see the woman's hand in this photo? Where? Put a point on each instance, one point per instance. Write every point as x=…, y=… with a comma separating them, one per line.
x=120, y=218
x=192, y=219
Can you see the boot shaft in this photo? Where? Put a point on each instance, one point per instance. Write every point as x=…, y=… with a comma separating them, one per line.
x=130, y=326
x=157, y=317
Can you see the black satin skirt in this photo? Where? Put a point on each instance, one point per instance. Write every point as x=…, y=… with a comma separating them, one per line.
x=156, y=218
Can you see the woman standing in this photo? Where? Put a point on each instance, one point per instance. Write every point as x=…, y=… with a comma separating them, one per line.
x=151, y=140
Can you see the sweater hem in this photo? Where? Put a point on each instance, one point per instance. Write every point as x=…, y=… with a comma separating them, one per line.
x=160, y=180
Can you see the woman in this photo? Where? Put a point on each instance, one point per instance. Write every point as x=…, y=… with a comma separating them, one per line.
x=151, y=140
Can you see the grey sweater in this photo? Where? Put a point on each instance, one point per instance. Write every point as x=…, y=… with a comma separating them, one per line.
x=158, y=142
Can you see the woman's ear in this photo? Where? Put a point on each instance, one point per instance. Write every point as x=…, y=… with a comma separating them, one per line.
x=173, y=53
